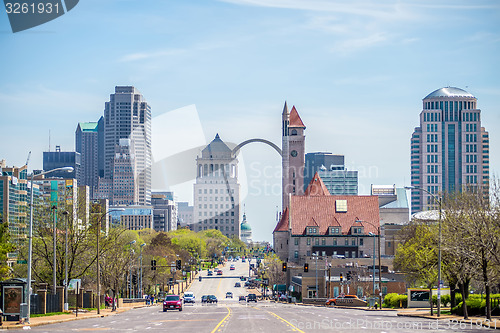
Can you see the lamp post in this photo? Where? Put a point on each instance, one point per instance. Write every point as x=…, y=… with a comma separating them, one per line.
x=30, y=236
x=130, y=272
x=379, y=262
x=140, y=277
x=98, y=232
x=439, y=201
x=54, y=269
x=66, y=304
x=315, y=255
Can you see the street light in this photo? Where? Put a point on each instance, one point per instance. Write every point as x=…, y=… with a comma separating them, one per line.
x=439, y=201
x=315, y=255
x=54, y=269
x=130, y=271
x=140, y=283
x=66, y=304
x=30, y=236
x=98, y=232
x=379, y=262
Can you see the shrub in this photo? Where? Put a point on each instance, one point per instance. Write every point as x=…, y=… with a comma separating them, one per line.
x=393, y=300
x=388, y=299
x=474, y=307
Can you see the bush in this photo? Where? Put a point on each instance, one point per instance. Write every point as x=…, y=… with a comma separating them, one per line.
x=474, y=307
x=393, y=300
x=445, y=300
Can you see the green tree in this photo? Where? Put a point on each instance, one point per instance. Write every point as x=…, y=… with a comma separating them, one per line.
x=416, y=256
x=5, y=247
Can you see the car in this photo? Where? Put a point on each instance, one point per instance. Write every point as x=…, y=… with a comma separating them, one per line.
x=229, y=294
x=243, y=260
x=241, y=298
x=189, y=297
x=237, y=284
x=210, y=273
x=212, y=299
x=204, y=299
x=247, y=284
x=252, y=298
x=232, y=268
x=172, y=302
x=219, y=272
x=347, y=300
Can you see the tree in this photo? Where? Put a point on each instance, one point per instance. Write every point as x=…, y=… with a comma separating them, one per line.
x=5, y=247
x=416, y=256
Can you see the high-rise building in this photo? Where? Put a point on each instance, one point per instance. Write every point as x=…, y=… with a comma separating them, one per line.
x=184, y=214
x=88, y=135
x=450, y=149
x=164, y=211
x=60, y=159
x=14, y=200
x=331, y=168
x=293, y=150
x=127, y=115
x=125, y=190
x=217, y=191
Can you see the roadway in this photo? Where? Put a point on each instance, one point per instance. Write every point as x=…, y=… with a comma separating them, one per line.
x=229, y=315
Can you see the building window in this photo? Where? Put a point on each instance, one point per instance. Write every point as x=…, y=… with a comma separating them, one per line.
x=353, y=242
x=361, y=242
x=323, y=241
x=308, y=241
x=335, y=242
x=388, y=244
x=346, y=241
x=296, y=241
x=316, y=241
x=296, y=254
x=308, y=253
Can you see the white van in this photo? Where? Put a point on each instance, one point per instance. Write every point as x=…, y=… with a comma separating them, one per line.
x=188, y=297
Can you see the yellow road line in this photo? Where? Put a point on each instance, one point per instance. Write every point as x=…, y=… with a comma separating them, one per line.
x=222, y=321
x=283, y=320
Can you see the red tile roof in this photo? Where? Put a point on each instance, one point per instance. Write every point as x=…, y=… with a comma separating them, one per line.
x=316, y=186
x=322, y=210
x=283, y=222
x=295, y=120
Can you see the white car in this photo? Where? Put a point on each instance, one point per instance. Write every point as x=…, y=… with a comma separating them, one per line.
x=188, y=297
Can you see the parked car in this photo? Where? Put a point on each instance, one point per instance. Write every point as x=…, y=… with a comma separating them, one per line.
x=347, y=300
x=204, y=299
x=219, y=272
x=237, y=284
x=188, y=297
x=229, y=294
x=210, y=273
x=232, y=268
x=242, y=298
x=172, y=302
x=252, y=298
x=212, y=299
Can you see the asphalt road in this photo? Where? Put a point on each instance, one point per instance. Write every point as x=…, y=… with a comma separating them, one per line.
x=229, y=315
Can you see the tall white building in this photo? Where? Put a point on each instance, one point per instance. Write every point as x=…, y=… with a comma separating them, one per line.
x=450, y=149
x=217, y=191
x=127, y=115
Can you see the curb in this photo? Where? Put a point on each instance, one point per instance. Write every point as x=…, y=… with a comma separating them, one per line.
x=57, y=321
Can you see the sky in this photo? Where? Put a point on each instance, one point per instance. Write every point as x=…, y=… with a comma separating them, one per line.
x=356, y=71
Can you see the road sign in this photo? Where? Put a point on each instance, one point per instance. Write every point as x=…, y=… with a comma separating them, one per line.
x=22, y=262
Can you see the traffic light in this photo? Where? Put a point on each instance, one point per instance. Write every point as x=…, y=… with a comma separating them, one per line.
x=341, y=277
x=178, y=264
x=153, y=265
x=284, y=267
x=134, y=279
x=306, y=267
x=348, y=276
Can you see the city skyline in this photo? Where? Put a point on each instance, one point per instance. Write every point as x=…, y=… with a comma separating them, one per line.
x=356, y=73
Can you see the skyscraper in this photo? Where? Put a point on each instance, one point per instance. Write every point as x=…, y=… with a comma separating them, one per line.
x=293, y=154
x=127, y=115
x=60, y=159
x=331, y=168
x=450, y=149
x=217, y=191
x=88, y=142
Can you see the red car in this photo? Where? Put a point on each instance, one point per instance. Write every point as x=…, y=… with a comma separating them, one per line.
x=219, y=272
x=172, y=302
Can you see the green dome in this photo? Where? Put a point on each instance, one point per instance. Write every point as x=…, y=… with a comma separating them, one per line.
x=245, y=226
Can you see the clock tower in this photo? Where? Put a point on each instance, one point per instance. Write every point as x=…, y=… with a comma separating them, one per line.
x=293, y=158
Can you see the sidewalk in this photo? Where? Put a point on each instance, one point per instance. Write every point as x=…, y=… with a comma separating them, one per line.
x=472, y=321
x=45, y=320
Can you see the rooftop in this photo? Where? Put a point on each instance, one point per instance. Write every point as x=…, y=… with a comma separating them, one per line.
x=449, y=92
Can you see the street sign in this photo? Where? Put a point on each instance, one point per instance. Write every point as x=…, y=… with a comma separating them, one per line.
x=22, y=262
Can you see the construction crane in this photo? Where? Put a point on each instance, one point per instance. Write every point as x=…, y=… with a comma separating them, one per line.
x=28, y=159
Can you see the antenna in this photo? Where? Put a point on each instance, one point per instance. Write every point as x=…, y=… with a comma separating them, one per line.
x=49, y=140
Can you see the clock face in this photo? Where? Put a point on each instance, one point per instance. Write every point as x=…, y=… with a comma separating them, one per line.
x=293, y=153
